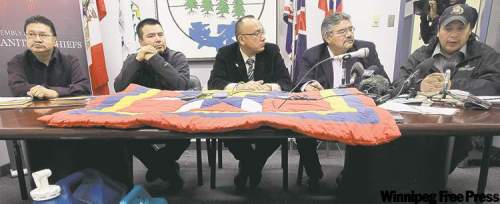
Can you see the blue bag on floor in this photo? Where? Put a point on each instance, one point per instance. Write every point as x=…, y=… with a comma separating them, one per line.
x=139, y=196
x=87, y=186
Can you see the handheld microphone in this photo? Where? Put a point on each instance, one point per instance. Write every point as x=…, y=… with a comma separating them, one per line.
x=360, y=53
x=357, y=71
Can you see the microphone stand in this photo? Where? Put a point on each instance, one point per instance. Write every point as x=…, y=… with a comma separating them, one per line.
x=344, y=57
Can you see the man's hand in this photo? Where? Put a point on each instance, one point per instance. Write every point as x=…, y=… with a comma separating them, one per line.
x=146, y=52
x=42, y=92
x=433, y=9
x=253, y=86
x=313, y=86
x=433, y=83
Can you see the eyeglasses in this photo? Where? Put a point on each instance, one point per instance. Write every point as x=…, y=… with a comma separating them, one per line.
x=343, y=32
x=257, y=34
x=42, y=36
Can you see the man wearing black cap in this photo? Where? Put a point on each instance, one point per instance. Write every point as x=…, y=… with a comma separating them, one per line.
x=429, y=21
x=474, y=67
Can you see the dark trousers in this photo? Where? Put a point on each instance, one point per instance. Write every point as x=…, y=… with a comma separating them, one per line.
x=64, y=157
x=406, y=164
x=244, y=152
x=309, y=157
x=163, y=159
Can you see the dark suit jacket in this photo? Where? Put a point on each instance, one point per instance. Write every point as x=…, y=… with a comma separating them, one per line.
x=324, y=72
x=230, y=68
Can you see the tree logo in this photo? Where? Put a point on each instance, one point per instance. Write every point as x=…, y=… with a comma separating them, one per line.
x=210, y=23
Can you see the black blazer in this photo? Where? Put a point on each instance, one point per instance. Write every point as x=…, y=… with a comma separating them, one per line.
x=230, y=68
x=323, y=73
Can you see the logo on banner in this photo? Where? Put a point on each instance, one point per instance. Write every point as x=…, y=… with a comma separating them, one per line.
x=210, y=23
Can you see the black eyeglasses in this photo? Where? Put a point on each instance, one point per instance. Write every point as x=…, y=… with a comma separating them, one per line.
x=257, y=34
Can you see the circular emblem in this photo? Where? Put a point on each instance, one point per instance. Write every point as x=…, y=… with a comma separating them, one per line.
x=210, y=23
x=457, y=10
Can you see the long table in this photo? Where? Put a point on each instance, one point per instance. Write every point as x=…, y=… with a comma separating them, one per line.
x=21, y=124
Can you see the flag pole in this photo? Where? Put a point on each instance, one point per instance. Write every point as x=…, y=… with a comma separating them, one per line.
x=294, y=38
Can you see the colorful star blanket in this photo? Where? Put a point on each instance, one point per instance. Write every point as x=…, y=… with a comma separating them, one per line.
x=343, y=115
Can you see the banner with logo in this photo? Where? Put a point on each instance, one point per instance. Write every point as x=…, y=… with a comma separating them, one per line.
x=199, y=27
x=65, y=15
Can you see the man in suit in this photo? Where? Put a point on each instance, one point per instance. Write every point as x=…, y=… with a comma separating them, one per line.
x=157, y=66
x=338, y=36
x=250, y=64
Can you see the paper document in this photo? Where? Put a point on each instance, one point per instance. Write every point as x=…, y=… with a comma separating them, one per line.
x=491, y=99
x=72, y=98
x=399, y=107
x=14, y=100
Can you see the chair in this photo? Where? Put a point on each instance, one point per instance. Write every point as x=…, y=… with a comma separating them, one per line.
x=195, y=85
x=216, y=144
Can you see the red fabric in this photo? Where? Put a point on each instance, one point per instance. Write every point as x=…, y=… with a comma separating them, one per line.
x=98, y=72
x=362, y=123
x=101, y=9
x=323, y=5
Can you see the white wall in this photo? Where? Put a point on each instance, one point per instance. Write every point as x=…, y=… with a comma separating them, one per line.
x=362, y=17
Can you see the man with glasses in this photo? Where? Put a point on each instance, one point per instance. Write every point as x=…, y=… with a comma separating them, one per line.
x=250, y=64
x=44, y=72
x=157, y=66
x=338, y=36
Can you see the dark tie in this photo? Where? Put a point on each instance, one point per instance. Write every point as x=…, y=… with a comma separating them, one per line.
x=250, y=72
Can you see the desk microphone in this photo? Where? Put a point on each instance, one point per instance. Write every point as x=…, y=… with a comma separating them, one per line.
x=357, y=72
x=447, y=75
x=360, y=53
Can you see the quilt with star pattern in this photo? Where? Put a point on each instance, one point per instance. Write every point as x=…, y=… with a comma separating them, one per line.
x=343, y=115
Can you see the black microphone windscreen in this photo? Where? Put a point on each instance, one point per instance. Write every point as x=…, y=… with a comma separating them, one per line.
x=376, y=84
x=357, y=68
x=372, y=70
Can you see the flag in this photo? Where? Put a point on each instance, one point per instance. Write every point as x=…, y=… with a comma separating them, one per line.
x=92, y=12
x=296, y=40
x=331, y=6
x=129, y=17
x=343, y=115
x=101, y=9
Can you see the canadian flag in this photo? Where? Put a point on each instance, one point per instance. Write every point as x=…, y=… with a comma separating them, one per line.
x=93, y=12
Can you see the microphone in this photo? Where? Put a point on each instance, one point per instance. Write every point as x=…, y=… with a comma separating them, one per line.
x=357, y=71
x=445, y=84
x=447, y=75
x=403, y=86
x=360, y=53
x=373, y=82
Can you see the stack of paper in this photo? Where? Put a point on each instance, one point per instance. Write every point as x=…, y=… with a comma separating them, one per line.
x=14, y=102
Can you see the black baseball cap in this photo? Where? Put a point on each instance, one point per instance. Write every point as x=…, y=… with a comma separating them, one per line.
x=459, y=12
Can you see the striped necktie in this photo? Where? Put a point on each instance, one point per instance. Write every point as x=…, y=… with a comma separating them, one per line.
x=250, y=72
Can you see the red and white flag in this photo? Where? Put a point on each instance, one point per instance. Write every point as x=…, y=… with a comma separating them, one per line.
x=93, y=12
x=331, y=6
